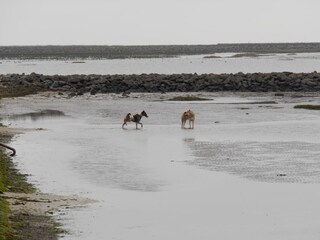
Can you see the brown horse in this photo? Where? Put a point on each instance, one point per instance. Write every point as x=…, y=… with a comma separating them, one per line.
x=188, y=115
x=135, y=118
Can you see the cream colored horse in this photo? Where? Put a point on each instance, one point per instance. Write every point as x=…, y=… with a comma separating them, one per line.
x=188, y=115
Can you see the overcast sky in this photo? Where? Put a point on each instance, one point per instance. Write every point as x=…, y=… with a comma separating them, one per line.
x=145, y=22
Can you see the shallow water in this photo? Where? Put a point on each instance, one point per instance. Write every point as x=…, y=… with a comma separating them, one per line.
x=301, y=62
x=247, y=171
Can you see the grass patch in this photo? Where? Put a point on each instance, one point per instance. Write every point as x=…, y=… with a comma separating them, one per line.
x=240, y=55
x=43, y=227
x=6, y=92
x=188, y=98
x=211, y=56
x=308, y=106
x=13, y=181
x=10, y=179
x=5, y=227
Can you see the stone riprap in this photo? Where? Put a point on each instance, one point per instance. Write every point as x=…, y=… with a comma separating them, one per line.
x=251, y=82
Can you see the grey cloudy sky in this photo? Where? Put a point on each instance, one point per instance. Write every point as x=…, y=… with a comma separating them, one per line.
x=140, y=22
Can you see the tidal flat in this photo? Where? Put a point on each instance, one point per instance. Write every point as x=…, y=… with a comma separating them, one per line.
x=249, y=169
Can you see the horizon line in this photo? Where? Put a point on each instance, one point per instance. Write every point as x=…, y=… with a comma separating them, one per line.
x=142, y=45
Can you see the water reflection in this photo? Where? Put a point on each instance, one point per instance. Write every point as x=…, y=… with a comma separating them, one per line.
x=295, y=162
x=35, y=116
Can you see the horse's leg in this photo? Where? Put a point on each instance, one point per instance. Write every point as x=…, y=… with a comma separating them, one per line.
x=125, y=123
x=183, y=123
x=138, y=123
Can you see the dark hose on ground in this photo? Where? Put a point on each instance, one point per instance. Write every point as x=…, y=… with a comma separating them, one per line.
x=12, y=149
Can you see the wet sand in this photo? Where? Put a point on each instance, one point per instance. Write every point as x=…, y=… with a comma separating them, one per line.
x=41, y=203
x=248, y=170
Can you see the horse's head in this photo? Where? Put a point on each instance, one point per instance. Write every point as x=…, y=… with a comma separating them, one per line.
x=143, y=113
x=190, y=114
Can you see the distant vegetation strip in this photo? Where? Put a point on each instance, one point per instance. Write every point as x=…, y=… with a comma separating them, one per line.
x=152, y=51
x=308, y=107
x=189, y=98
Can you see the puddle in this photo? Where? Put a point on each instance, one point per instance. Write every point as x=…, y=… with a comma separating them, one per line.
x=36, y=116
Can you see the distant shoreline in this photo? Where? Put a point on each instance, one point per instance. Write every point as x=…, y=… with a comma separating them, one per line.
x=151, y=51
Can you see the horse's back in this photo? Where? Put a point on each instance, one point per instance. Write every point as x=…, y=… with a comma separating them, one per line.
x=192, y=115
x=127, y=118
x=136, y=118
x=184, y=117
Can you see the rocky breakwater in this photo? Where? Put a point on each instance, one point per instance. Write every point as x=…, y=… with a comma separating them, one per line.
x=253, y=82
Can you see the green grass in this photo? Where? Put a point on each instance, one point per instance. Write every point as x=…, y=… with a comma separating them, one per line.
x=5, y=227
x=188, y=98
x=10, y=180
x=308, y=106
